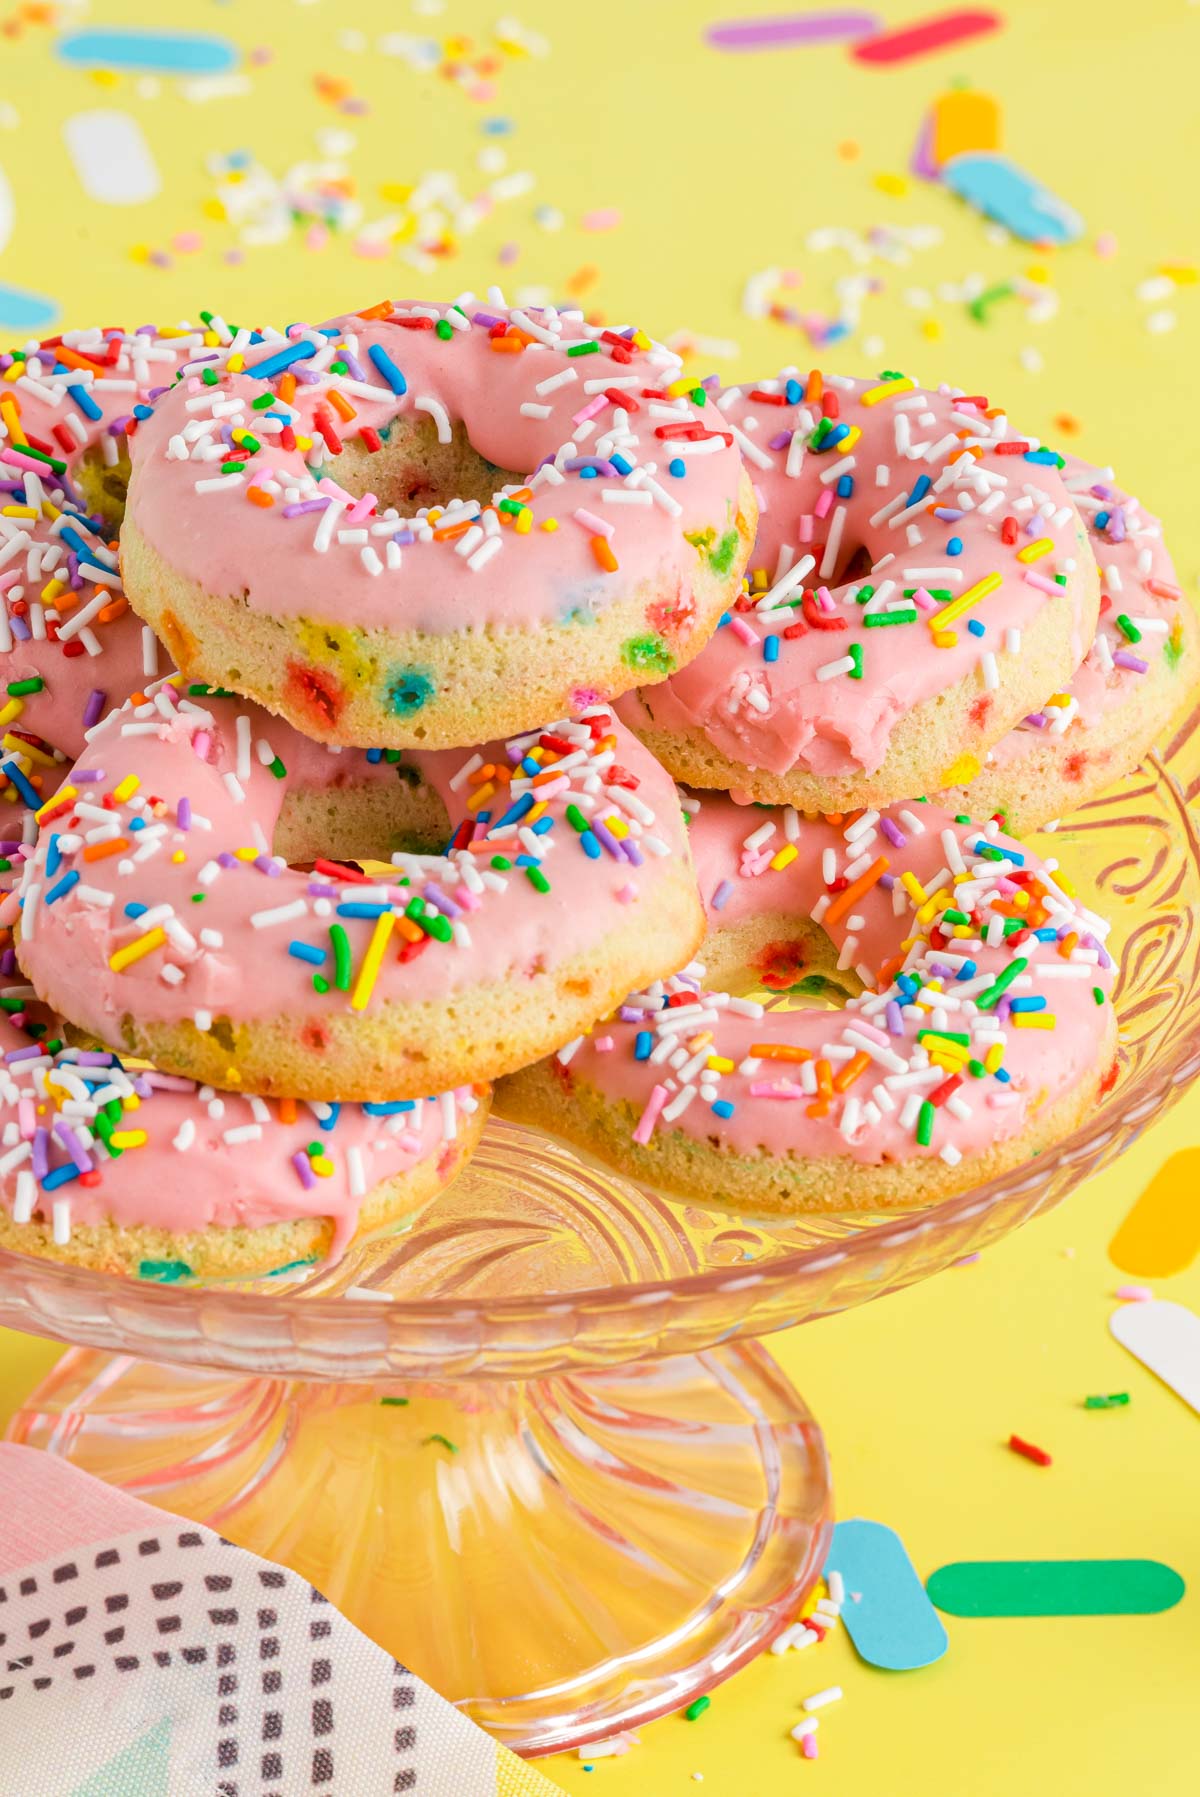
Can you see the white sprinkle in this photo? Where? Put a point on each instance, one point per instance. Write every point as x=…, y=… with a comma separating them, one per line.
x=819, y=1699
x=246, y=1132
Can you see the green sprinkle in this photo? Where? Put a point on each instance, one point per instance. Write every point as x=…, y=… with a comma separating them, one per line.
x=925, y=1124
x=999, y=987
x=1012, y=925
x=338, y=368
x=976, y=1069
x=978, y=308
x=438, y=927
x=320, y=983
x=198, y=898
x=262, y=402
x=17, y=689
x=856, y=656
x=209, y=377
x=955, y=917
x=1098, y=994
x=698, y=396
x=501, y=863
x=944, y=1036
x=1130, y=629
x=232, y=467
x=577, y=820
x=5, y=866
x=697, y=1709
x=341, y=957
x=442, y=1440
x=444, y=330
x=394, y=1403
x=867, y=592
x=874, y=619
x=1110, y=1401
x=583, y=349
x=537, y=879
x=167, y=1272
x=12, y=1004
x=277, y=768
x=39, y=455
x=511, y=506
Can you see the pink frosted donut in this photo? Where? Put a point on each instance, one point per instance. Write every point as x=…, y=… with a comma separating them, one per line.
x=1131, y=682
x=187, y=901
x=129, y=1170
x=920, y=581
x=427, y=525
x=968, y=1051
x=71, y=649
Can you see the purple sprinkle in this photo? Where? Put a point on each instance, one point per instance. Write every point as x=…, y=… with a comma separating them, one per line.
x=780, y=440
x=1123, y=659
x=41, y=1161
x=308, y=1178
x=225, y=859
x=487, y=318
x=266, y=865
x=403, y=538
x=183, y=814
x=322, y=889
x=1036, y=720
x=940, y=970
x=1004, y=1009
x=305, y=505
x=1116, y=525
x=722, y=895
x=1100, y=492
x=575, y=462
x=94, y=1057
x=895, y=836
x=630, y=1014
x=357, y=371
x=887, y=881
x=21, y=1054
x=632, y=853
x=895, y=1020
x=444, y=903
x=74, y=1147
x=89, y=775
x=20, y=629
x=94, y=708
x=604, y=835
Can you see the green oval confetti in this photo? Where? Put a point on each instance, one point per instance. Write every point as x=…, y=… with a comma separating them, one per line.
x=1055, y=1587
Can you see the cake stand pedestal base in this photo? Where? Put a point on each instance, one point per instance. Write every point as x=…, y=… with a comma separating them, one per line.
x=562, y=1558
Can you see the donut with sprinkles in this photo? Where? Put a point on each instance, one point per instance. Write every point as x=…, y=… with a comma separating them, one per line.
x=982, y=1029
x=70, y=648
x=1141, y=665
x=192, y=899
x=919, y=583
x=428, y=525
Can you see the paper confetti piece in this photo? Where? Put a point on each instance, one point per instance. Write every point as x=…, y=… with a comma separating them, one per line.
x=1002, y=191
x=792, y=28
x=924, y=36
x=1166, y=1338
x=22, y=310
x=111, y=157
x=149, y=52
x=963, y=120
x=893, y=1624
x=1055, y=1587
x=1161, y=1234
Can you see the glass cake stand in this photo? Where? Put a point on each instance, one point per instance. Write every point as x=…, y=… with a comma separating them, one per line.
x=531, y=1446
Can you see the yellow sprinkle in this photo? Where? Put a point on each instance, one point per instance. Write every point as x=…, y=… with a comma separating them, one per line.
x=61, y=796
x=12, y=710
x=1060, y=879
x=1033, y=1020
x=618, y=826
x=481, y=795
x=849, y=440
x=888, y=390
x=126, y=789
x=524, y=522
x=211, y=340
x=994, y=1057
x=235, y=364
x=322, y=1165
x=951, y=613
x=896, y=185
x=364, y=985
x=785, y=857
x=960, y=771
x=27, y=751
x=641, y=340
x=1033, y=552
x=717, y=1063
x=1184, y=274
x=19, y=511
x=134, y=951
x=914, y=889
x=178, y=856
x=1059, y=699
x=944, y=639
x=677, y=389
x=51, y=590
x=246, y=854
x=128, y=1138
x=549, y=523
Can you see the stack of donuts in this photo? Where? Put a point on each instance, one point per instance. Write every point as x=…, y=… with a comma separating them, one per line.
x=351, y=673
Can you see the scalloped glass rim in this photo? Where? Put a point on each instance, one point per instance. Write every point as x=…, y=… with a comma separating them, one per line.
x=532, y=1334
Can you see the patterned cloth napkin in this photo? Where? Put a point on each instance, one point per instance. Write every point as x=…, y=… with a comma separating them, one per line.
x=143, y=1656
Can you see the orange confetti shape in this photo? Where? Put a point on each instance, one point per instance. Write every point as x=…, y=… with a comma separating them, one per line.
x=1161, y=1234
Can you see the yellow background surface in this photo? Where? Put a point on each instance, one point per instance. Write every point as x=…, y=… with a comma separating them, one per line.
x=664, y=174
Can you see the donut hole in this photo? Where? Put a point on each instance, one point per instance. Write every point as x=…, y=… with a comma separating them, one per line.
x=785, y=962
x=414, y=470
x=361, y=822
x=103, y=485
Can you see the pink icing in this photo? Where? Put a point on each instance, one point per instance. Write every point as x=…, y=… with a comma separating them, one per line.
x=59, y=553
x=739, y=881
x=203, y=762
x=782, y=714
x=1137, y=582
x=521, y=410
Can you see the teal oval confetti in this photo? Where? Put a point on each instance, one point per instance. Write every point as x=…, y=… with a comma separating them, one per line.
x=1055, y=1587
x=149, y=52
x=1002, y=191
x=22, y=310
x=892, y=1624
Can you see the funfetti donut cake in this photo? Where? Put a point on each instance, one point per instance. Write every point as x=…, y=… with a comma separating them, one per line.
x=985, y=1031
x=428, y=525
x=920, y=581
x=187, y=900
x=1133, y=679
x=70, y=648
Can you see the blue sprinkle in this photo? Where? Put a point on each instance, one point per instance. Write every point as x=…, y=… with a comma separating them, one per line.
x=517, y=811
x=1101, y=520
x=136, y=909
x=1002, y=1076
x=770, y=648
x=588, y=473
x=387, y=368
x=954, y=546
x=282, y=359
x=304, y=951
x=1027, y=1004
x=835, y=436
x=590, y=845
x=61, y=1176
x=392, y=1108
x=527, y=861
x=845, y=486
x=29, y=793
x=621, y=463
x=85, y=402
x=966, y=971
x=921, y=487
x=975, y=627
x=327, y=1123
x=677, y=466
x=1047, y=457
x=143, y=412
x=543, y=825
x=722, y=1108
x=1047, y=935
x=531, y=767
x=374, y=755
x=497, y=127
x=76, y=542
x=64, y=885
x=137, y=823
x=724, y=618
x=643, y=1043
x=359, y=909
x=793, y=393
x=150, y=52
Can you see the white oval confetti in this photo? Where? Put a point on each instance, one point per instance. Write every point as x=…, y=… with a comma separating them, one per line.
x=1166, y=1338
x=111, y=157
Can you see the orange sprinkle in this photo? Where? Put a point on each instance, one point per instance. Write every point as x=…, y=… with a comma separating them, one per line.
x=287, y=1110
x=382, y=310
x=602, y=550
x=551, y=773
x=340, y=404
x=480, y=796
x=256, y=496
x=844, y=900
x=1067, y=944
x=779, y=1051
x=287, y=386
x=410, y=931
x=453, y=530
x=508, y=345
x=814, y=387
x=73, y=359
x=100, y=851
x=824, y=1079
x=846, y=1075
x=112, y=610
